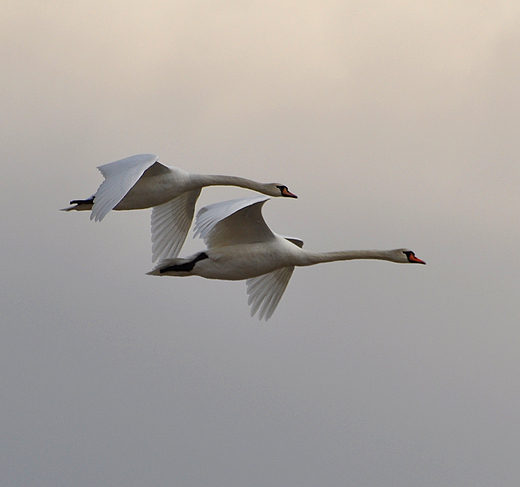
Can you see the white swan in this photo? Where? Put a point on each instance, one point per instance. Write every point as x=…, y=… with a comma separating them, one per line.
x=240, y=245
x=141, y=181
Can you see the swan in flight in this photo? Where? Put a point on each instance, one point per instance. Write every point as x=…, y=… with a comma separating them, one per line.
x=240, y=245
x=141, y=181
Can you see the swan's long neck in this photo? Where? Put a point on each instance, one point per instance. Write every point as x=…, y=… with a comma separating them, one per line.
x=311, y=258
x=202, y=180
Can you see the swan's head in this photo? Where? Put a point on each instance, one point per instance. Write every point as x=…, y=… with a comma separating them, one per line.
x=275, y=189
x=405, y=256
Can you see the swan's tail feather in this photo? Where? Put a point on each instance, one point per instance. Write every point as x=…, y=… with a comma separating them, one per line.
x=80, y=205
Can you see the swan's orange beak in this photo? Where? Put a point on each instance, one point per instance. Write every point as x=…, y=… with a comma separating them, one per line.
x=415, y=260
x=286, y=192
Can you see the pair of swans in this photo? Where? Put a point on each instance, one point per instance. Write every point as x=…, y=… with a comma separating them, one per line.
x=240, y=245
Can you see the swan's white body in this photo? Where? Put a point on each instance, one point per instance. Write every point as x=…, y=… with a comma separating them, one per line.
x=240, y=245
x=141, y=181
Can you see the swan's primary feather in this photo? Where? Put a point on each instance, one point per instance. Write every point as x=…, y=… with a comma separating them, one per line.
x=266, y=291
x=171, y=222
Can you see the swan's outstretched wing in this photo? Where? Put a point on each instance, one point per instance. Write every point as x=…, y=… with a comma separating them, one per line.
x=120, y=176
x=266, y=291
x=171, y=223
x=233, y=222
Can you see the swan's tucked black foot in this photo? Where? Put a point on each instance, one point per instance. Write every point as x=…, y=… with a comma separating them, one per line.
x=186, y=267
x=82, y=202
x=81, y=205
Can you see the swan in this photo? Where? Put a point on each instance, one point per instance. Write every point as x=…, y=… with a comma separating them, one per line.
x=141, y=181
x=240, y=245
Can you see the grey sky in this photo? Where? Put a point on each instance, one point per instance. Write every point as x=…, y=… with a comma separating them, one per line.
x=396, y=124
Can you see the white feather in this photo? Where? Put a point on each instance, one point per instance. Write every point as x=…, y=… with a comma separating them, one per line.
x=171, y=222
x=266, y=291
x=120, y=176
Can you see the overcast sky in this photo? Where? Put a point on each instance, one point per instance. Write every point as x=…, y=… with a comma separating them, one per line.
x=397, y=125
